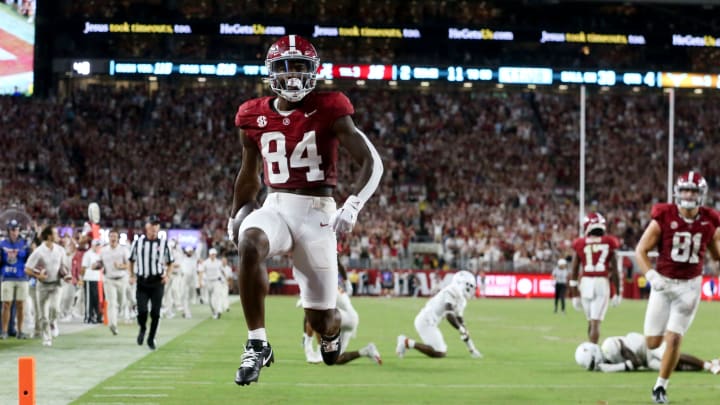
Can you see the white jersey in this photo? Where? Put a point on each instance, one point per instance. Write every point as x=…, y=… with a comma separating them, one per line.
x=89, y=261
x=50, y=261
x=212, y=270
x=111, y=257
x=187, y=266
x=448, y=300
x=637, y=344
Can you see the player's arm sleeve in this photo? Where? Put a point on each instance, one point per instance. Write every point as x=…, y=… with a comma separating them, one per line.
x=363, y=152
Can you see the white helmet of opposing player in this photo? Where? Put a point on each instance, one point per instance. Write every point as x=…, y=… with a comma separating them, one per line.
x=611, y=349
x=464, y=281
x=588, y=356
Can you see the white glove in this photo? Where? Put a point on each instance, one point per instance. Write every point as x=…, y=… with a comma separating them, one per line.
x=657, y=282
x=616, y=300
x=344, y=219
x=576, y=303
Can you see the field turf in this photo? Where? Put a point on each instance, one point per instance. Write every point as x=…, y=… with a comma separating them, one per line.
x=528, y=359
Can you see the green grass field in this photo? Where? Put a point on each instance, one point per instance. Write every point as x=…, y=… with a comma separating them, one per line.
x=528, y=359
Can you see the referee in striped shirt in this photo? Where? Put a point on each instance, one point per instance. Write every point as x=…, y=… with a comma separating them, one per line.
x=150, y=259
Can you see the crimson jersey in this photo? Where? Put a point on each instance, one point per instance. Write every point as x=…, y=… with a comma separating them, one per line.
x=299, y=150
x=595, y=253
x=682, y=243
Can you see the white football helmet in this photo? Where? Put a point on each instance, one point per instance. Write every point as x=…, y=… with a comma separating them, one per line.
x=611, y=349
x=464, y=281
x=692, y=181
x=588, y=356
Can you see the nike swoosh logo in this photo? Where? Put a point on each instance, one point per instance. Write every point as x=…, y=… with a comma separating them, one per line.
x=323, y=225
x=307, y=115
x=267, y=359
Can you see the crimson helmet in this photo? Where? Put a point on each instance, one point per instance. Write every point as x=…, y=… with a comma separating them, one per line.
x=592, y=222
x=690, y=181
x=292, y=64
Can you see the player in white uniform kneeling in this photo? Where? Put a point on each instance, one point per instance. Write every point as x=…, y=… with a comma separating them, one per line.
x=348, y=328
x=450, y=303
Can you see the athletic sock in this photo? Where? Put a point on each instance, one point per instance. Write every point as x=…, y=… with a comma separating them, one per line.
x=258, y=334
x=661, y=382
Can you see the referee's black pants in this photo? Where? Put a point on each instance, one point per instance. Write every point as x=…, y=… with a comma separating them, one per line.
x=154, y=294
x=560, y=289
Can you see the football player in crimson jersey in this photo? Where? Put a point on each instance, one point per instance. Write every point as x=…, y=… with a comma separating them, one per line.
x=595, y=255
x=681, y=232
x=294, y=139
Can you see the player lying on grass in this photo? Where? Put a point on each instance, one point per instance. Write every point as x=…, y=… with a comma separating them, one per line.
x=630, y=352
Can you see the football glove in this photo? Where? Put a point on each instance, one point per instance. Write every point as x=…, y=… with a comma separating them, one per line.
x=657, y=282
x=616, y=300
x=577, y=304
x=344, y=219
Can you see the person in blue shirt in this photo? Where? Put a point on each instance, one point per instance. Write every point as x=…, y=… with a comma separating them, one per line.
x=14, y=251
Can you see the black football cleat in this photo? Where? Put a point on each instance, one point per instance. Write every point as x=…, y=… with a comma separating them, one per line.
x=257, y=354
x=141, y=337
x=659, y=395
x=330, y=349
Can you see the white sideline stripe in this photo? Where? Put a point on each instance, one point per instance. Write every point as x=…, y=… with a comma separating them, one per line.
x=130, y=395
x=121, y=403
x=478, y=386
x=137, y=387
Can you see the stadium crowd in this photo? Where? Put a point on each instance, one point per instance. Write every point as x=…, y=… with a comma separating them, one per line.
x=490, y=174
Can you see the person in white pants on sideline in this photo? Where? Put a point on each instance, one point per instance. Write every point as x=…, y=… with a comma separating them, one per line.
x=48, y=264
x=211, y=275
x=115, y=262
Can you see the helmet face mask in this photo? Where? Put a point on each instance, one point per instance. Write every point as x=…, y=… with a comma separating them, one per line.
x=464, y=282
x=690, y=190
x=292, y=64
